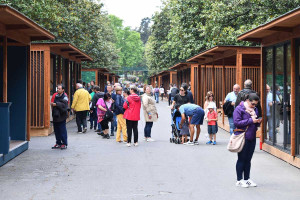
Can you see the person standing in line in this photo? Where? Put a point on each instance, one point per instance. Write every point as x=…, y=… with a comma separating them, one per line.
x=156, y=93
x=150, y=113
x=169, y=93
x=246, y=119
x=231, y=98
x=196, y=113
x=113, y=124
x=98, y=94
x=162, y=92
x=103, y=105
x=81, y=106
x=132, y=107
x=105, y=88
x=119, y=111
x=60, y=114
x=212, y=118
x=243, y=94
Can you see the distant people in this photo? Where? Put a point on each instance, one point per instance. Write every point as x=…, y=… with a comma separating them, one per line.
x=81, y=106
x=162, y=92
x=156, y=93
x=212, y=118
x=196, y=113
x=229, y=104
x=119, y=112
x=174, y=91
x=150, y=113
x=60, y=114
x=132, y=107
x=88, y=87
x=169, y=94
x=269, y=112
x=243, y=93
x=246, y=118
x=113, y=126
x=105, y=88
x=103, y=105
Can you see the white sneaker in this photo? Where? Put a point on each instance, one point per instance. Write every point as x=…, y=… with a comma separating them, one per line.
x=150, y=140
x=189, y=143
x=128, y=144
x=136, y=144
x=241, y=183
x=250, y=183
x=145, y=138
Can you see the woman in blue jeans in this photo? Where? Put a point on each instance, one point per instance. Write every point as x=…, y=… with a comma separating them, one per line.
x=150, y=113
x=245, y=119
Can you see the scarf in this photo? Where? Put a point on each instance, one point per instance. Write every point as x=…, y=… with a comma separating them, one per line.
x=249, y=110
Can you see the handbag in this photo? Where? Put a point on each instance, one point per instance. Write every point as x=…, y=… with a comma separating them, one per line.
x=236, y=142
x=108, y=114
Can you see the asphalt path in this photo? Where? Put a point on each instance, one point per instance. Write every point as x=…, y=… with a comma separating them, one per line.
x=96, y=168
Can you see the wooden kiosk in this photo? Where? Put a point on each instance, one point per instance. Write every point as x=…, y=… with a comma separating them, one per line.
x=166, y=77
x=16, y=33
x=219, y=68
x=52, y=64
x=183, y=72
x=280, y=42
x=99, y=74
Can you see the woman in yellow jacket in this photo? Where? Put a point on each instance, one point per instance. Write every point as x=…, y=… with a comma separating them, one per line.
x=81, y=105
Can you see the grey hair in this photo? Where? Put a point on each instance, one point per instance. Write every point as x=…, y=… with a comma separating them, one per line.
x=248, y=83
x=79, y=85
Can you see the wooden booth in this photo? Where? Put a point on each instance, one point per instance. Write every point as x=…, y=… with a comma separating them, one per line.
x=96, y=74
x=165, y=78
x=183, y=73
x=280, y=42
x=16, y=33
x=219, y=69
x=52, y=64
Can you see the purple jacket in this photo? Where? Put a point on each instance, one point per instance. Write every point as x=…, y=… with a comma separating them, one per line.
x=242, y=119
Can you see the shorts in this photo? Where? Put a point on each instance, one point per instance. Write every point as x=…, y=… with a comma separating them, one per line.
x=104, y=124
x=212, y=129
x=198, y=116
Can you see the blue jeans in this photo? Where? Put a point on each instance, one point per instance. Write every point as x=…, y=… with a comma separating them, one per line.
x=147, y=129
x=243, y=164
x=60, y=130
x=231, y=124
x=93, y=118
x=270, y=127
x=156, y=96
x=113, y=124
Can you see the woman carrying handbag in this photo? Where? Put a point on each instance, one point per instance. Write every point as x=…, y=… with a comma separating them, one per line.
x=246, y=121
x=104, y=113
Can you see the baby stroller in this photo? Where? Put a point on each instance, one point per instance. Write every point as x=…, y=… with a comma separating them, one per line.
x=176, y=118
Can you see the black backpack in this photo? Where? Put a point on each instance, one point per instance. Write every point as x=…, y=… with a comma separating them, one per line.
x=109, y=116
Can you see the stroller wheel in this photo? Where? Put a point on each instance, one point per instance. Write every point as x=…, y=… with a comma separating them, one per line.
x=173, y=140
x=170, y=140
x=178, y=141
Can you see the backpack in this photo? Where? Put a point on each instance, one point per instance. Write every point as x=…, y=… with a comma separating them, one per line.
x=108, y=114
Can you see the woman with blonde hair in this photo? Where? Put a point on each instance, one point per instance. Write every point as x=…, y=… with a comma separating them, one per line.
x=210, y=100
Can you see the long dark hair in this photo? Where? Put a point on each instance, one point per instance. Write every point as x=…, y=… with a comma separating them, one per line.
x=106, y=96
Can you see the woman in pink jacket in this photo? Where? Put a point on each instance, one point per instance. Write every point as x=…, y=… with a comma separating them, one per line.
x=132, y=107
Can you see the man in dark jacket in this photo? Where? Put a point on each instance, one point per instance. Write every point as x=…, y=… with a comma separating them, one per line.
x=119, y=112
x=243, y=94
x=60, y=114
x=96, y=97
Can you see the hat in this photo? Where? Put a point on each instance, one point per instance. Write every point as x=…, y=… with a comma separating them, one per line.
x=210, y=105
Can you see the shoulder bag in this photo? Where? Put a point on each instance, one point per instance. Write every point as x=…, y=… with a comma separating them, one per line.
x=108, y=114
x=237, y=142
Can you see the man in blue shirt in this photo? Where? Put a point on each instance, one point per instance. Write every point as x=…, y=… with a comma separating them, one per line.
x=232, y=97
x=269, y=103
x=196, y=113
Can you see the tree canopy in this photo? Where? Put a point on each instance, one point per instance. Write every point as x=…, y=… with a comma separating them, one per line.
x=184, y=28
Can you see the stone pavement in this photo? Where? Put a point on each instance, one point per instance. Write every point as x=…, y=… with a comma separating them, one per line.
x=96, y=168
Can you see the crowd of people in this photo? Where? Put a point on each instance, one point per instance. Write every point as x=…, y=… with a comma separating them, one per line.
x=120, y=105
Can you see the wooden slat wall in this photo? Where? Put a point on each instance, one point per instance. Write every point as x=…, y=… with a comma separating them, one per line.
x=252, y=73
x=218, y=85
x=37, y=89
x=166, y=81
x=196, y=87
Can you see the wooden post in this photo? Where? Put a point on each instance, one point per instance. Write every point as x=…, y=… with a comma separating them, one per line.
x=239, y=66
x=59, y=70
x=54, y=73
x=263, y=97
x=5, y=69
x=223, y=89
x=205, y=85
x=294, y=89
x=199, y=85
x=193, y=79
x=47, y=68
x=213, y=78
x=96, y=77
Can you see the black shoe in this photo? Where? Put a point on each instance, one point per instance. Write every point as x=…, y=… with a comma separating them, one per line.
x=95, y=128
x=91, y=127
x=84, y=130
x=98, y=131
x=112, y=134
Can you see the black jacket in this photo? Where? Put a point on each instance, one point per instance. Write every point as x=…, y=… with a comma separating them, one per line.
x=60, y=111
x=96, y=97
x=119, y=105
x=228, y=108
x=242, y=97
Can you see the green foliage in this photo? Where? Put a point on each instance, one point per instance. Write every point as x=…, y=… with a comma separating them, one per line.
x=80, y=22
x=184, y=28
x=128, y=43
x=145, y=29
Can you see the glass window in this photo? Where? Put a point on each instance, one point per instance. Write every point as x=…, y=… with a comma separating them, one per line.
x=269, y=97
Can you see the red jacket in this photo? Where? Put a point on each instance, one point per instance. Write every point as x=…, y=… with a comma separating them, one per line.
x=132, y=112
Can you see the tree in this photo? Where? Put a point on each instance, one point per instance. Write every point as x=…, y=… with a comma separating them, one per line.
x=144, y=29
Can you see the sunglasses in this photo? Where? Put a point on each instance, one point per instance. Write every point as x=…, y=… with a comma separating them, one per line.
x=254, y=104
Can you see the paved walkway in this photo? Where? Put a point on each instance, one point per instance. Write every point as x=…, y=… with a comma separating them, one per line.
x=96, y=168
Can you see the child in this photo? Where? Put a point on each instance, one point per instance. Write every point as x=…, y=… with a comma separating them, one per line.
x=212, y=118
x=184, y=131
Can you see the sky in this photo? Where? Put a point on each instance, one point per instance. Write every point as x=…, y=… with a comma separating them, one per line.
x=132, y=11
